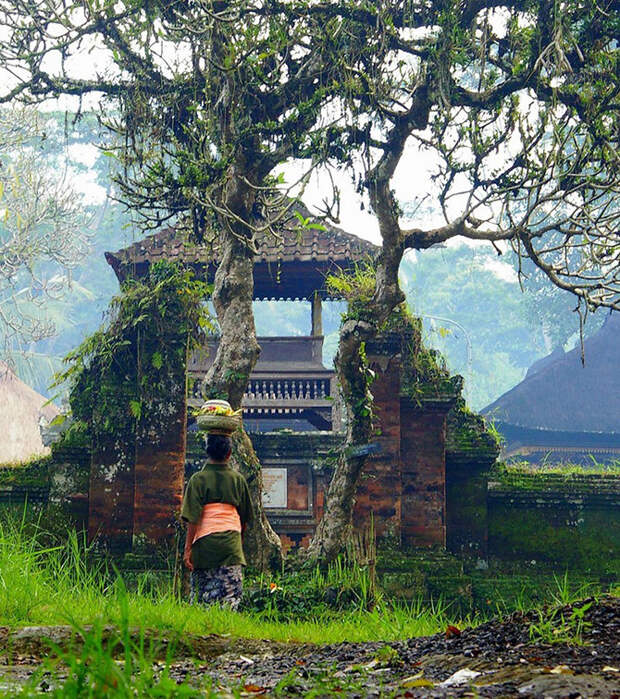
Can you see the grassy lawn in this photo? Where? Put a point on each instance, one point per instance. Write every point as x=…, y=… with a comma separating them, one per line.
x=55, y=585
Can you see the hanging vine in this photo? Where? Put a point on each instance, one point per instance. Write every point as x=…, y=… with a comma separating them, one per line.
x=139, y=355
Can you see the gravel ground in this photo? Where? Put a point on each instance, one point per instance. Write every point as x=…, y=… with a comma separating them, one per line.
x=496, y=659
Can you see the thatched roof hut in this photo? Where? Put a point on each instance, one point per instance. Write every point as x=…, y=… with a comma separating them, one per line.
x=563, y=407
x=22, y=411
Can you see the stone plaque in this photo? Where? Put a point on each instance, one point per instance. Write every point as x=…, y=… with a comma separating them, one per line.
x=274, y=487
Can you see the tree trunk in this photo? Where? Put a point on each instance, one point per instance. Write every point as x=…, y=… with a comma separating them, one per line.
x=238, y=352
x=238, y=349
x=351, y=369
x=334, y=527
x=355, y=382
x=261, y=544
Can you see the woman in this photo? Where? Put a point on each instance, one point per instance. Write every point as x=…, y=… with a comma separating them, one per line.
x=217, y=509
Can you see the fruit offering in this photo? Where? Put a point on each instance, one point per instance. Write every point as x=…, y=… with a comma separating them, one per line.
x=218, y=407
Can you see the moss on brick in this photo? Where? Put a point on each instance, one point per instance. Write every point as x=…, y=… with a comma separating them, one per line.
x=505, y=477
x=34, y=472
x=571, y=537
x=468, y=432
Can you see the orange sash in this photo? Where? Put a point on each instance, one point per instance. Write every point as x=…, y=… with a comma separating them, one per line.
x=217, y=517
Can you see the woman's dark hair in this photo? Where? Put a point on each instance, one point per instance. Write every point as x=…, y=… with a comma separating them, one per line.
x=219, y=446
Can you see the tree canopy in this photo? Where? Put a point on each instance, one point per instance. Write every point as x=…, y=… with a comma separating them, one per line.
x=43, y=231
x=517, y=101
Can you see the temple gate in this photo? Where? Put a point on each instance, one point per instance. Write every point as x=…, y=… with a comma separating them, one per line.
x=291, y=411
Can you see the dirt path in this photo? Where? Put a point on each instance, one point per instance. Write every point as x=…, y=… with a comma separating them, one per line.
x=497, y=659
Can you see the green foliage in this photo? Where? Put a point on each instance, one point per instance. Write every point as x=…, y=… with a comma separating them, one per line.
x=494, y=337
x=127, y=636
x=560, y=626
x=45, y=525
x=29, y=568
x=504, y=325
x=76, y=435
x=140, y=354
x=498, y=438
x=343, y=586
x=326, y=682
x=356, y=286
x=424, y=370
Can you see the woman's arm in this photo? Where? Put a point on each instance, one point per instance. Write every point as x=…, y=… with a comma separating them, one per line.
x=189, y=539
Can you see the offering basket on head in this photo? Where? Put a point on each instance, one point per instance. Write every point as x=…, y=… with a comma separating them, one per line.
x=217, y=417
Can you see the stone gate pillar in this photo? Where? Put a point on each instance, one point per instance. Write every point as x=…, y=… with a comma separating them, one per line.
x=160, y=473
x=111, y=484
x=471, y=452
x=137, y=475
x=423, y=465
x=379, y=490
x=110, y=496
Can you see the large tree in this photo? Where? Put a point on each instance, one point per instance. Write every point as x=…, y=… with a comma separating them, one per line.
x=205, y=100
x=517, y=102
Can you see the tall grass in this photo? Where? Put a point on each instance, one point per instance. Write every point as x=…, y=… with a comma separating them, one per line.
x=57, y=585
x=61, y=585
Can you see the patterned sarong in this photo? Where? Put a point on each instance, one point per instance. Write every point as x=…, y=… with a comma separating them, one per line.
x=222, y=585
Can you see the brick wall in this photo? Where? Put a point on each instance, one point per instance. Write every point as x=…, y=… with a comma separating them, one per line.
x=111, y=494
x=466, y=502
x=573, y=521
x=422, y=451
x=159, y=479
x=379, y=491
x=69, y=475
x=298, y=487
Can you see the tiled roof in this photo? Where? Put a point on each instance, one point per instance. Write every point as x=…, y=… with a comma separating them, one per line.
x=560, y=394
x=295, y=244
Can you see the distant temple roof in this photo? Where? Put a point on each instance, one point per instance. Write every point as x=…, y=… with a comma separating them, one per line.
x=293, y=266
x=559, y=394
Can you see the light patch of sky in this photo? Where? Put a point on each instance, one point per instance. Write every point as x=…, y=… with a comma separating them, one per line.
x=84, y=65
x=82, y=182
x=84, y=153
x=85, y=183
x=419, y=33
x=411, y=183
x=502, y=270
x=354, y=215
